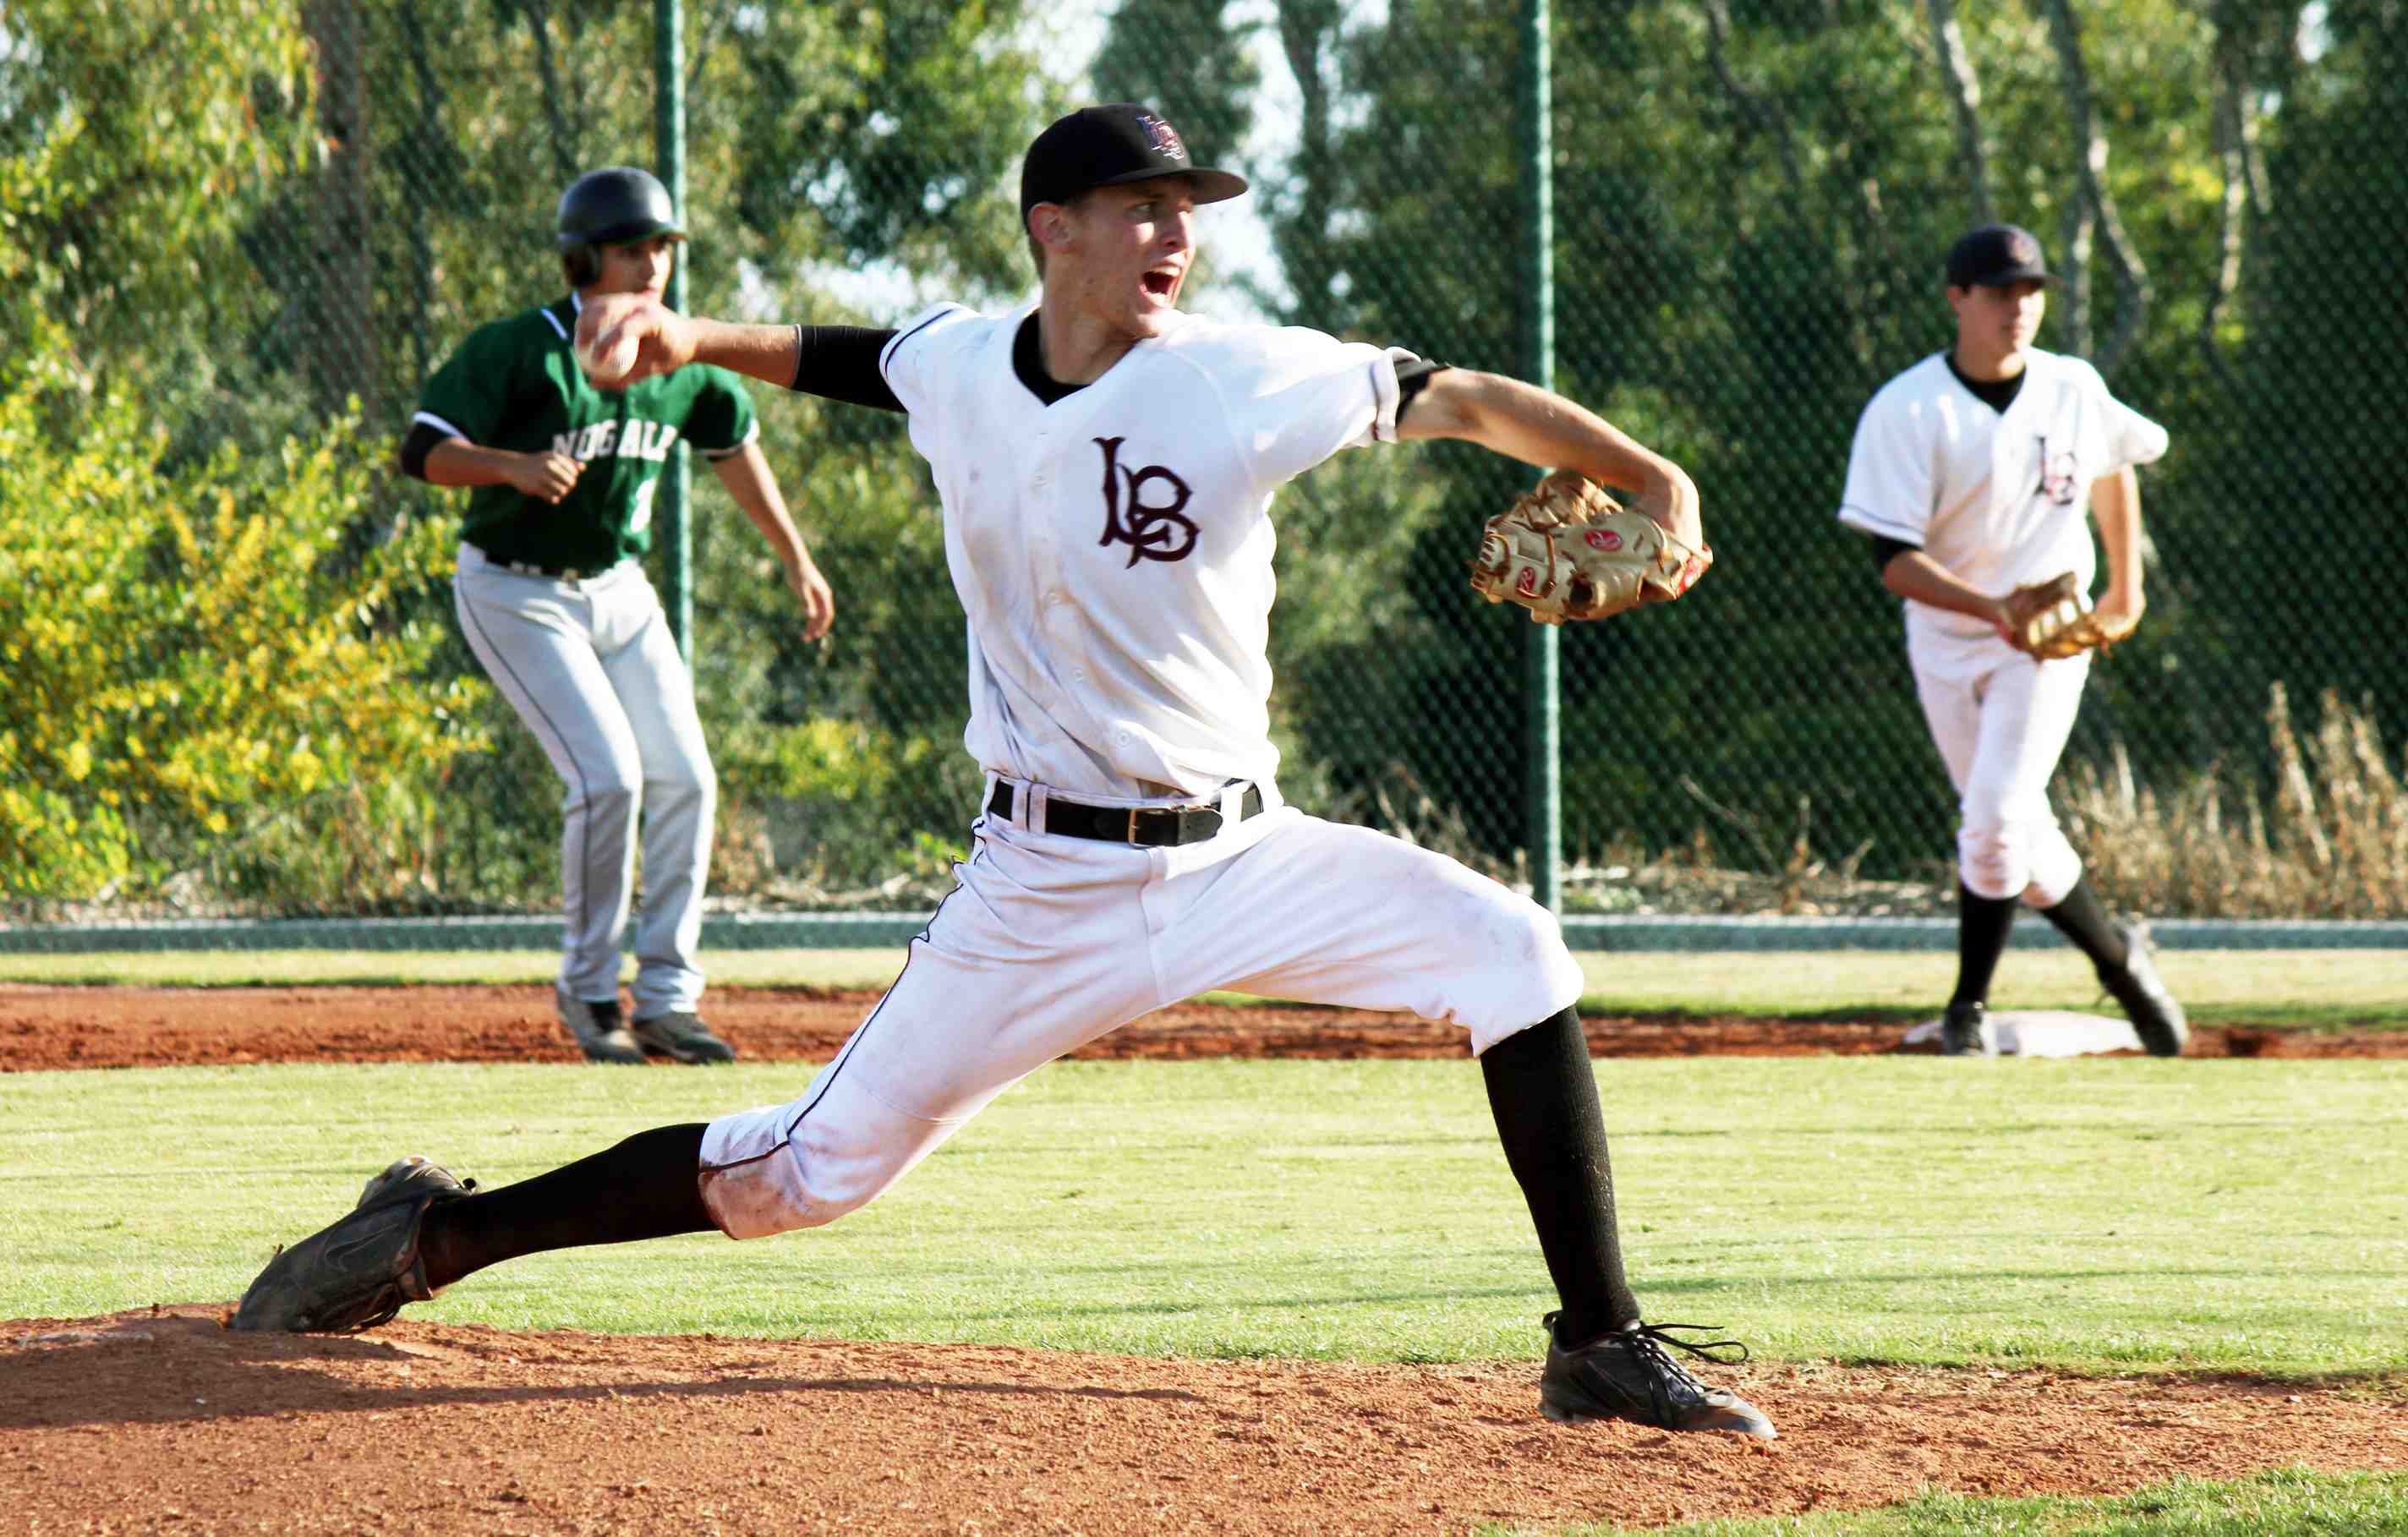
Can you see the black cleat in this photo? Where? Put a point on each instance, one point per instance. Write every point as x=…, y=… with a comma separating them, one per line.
x=358, y=1271
x=1628, y=1375
x=2156, y=1017
x=598, y=1029
x=680, y=1036
x=1966, y=1030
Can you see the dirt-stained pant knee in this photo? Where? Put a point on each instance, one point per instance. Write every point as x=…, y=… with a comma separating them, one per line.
x=1999, y=857
x=772, y=1170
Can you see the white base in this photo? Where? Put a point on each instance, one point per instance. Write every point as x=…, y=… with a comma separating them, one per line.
x=2048, y=1032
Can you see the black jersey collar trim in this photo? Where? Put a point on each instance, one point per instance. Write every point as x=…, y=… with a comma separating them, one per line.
x=1997, y=393
x=1029, y=362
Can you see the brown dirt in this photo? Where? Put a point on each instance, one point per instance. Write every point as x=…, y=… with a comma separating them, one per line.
x=167, y=1421
x=70, y=1026
x=164, y=1421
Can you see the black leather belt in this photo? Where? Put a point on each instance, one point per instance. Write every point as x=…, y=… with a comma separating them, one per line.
x=1149, y=826
x=555, y=573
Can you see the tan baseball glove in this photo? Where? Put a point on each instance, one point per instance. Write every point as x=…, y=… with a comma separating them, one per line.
x=2051, y=620
x=1565, y=550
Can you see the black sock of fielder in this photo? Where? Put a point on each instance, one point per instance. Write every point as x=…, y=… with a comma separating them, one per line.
x=2081, y=917
x=648, y=1186
x=1544, y=1093
x=1982, y=925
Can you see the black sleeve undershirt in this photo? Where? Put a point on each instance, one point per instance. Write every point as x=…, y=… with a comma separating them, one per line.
x=1886, y=550
x=840, y=362
x=417, y=446
x=1412, y=378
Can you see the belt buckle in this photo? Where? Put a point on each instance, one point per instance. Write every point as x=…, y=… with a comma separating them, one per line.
x=1132, y=823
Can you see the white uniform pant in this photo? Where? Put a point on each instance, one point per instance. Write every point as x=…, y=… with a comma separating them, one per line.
x=1049, y=941
x=2001, y=721
x=591, y=668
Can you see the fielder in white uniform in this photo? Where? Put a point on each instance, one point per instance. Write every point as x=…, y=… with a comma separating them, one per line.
x=553, y=598
x=1107, y=466
x=1975, y=472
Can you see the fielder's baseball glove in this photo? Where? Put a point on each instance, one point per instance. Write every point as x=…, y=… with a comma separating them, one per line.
x=2050, y=620
x=1565, y=550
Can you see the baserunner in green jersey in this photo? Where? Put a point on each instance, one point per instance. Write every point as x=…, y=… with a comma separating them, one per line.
x=554, y=598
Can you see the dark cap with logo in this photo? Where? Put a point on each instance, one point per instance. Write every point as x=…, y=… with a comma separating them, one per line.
x=1995, y=255
x=1108, y=145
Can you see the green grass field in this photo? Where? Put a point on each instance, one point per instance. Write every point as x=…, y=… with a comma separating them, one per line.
x=2091, y=1216
x=2287, y=1504
x=2356, y=989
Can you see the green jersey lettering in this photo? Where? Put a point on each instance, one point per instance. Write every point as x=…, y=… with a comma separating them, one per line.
x=515, y=384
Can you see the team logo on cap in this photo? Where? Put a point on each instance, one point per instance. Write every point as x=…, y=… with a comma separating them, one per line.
x=1164, y=138
x=2021, y=250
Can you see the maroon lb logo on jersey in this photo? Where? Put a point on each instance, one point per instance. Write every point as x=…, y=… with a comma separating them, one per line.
x=2056, y=473
x=1603, y=539
x=1152, y=531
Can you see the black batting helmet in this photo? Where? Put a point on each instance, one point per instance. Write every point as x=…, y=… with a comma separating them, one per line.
x=606, y=207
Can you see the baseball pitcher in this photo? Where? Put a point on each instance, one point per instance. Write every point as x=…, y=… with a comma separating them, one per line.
x=1107, y=465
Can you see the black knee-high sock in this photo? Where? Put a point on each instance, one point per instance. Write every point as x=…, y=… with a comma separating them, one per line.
x=1544, y=1093
x=2081, y=917
x=645, y=1188
x=1982, y=926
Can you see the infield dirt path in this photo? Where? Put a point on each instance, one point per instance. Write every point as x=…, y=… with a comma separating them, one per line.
x=165, y=1421
x=44, y=1027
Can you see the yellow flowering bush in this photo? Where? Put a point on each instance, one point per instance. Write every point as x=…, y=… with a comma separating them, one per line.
x=193, y=649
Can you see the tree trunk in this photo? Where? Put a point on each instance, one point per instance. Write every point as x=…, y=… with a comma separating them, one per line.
x=1964, y=91
x=342, y=341
x=1753, y=110
x=1306, y=29
x=564, y=158
x=2090, y=150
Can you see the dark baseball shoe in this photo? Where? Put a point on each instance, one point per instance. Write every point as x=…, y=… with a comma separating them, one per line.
x=598, y=1029
x=682, y=1037
x=2159, y=1020
x=1966, y=1030
x=1628, y=1375
x=356, y=1274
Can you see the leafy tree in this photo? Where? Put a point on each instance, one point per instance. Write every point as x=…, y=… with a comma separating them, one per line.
x=136, y=140
x=1751, y=201
x=2315, y=461
x=193, y=656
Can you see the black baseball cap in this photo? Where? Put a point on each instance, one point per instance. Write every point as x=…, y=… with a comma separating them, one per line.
x=1105, y=146
x=1995, y=255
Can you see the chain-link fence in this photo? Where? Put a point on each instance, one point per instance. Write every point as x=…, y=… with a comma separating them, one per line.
x=252, y=234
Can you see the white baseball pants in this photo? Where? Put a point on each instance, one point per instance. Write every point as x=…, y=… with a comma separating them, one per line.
x=1048, y=942
x=2001, y=721
x=591, y=668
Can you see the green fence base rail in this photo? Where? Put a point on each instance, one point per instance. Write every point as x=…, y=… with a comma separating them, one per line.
x=882, y=930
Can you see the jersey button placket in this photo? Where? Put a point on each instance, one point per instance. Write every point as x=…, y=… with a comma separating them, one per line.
x=1055, y=619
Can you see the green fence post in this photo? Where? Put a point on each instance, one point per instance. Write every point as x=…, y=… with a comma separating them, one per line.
x=669, y=143
x=1542, y=733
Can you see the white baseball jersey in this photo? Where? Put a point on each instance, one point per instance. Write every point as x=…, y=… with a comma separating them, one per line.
x=1999, y=498
x=1113, y=550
